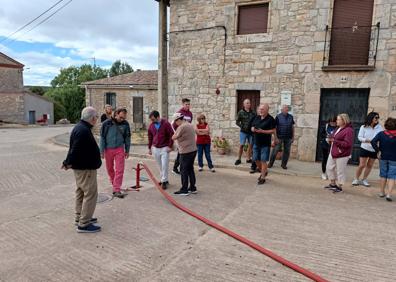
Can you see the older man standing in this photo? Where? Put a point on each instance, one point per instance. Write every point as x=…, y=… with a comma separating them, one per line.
x=284, y=136
x=263, y=127
x=84, y=158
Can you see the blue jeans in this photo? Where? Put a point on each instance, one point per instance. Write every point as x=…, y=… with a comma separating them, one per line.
x=261, y=153
x=388, y=169
x=201, y=149
x=245, y=138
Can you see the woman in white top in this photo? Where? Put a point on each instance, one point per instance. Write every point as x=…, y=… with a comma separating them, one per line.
x=367, y=153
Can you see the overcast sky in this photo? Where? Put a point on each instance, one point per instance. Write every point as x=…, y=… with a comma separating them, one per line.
x=107, y=30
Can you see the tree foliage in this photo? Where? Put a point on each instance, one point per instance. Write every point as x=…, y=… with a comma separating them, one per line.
x=66, y=91
x=119, y=67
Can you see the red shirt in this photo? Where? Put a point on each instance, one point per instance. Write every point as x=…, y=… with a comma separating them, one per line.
x=203, y=139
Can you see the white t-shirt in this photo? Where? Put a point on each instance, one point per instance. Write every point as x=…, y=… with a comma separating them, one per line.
x=367, y=133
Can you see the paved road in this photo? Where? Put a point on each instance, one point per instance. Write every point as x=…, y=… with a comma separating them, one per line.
x=343, y=237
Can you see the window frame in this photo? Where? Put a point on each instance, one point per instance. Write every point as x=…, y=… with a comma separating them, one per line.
x=237, y=17
x=114, y=95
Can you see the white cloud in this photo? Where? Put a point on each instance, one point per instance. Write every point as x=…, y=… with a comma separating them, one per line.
x=106, y=30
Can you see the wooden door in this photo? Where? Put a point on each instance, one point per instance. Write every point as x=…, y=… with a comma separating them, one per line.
x=252, y=95
x=138, y=110
x=351, y=32
x=354, y=102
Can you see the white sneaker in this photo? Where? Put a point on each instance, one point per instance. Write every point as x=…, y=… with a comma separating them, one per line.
x=212, y=169
x=200, y=168
x=324, y=176
x=365, y=183
x=355, y=182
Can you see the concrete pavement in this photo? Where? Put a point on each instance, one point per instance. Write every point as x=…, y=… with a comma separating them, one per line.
x=343, y=237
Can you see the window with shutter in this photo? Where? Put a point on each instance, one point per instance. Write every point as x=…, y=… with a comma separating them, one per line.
x=110, y=99
x=253, y=18
x=351, y=32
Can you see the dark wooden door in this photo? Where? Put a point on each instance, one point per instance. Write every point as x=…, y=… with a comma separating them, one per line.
x=138, y=110
x=354, y=102
x=252, y=95
x=351, y=32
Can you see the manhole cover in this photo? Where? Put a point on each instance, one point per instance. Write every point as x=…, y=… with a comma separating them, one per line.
x=103, y=197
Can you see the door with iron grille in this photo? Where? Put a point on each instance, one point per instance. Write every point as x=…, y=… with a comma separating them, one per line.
x=354, y=102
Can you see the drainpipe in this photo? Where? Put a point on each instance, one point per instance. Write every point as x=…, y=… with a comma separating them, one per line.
x=163, y=59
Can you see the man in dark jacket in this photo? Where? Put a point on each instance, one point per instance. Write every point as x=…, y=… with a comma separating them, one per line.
x=84, y=158
x=160, y=144
x=284, y=136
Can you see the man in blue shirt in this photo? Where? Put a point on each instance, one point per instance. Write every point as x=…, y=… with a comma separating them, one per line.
x=284, y=136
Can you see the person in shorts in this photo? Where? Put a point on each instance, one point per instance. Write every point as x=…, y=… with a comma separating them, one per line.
x=367, y=153
x=243, y=120
x=385, y=143
x=263, y=127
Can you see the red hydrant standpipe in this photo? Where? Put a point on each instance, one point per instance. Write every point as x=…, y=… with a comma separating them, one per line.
x=244, y=240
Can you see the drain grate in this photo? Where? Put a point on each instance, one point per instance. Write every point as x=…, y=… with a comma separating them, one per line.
x=103, y=197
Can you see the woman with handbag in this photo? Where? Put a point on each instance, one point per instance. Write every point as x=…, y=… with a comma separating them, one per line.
x=340, y=152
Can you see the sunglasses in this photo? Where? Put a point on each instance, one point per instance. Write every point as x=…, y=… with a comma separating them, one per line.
x=377, y=117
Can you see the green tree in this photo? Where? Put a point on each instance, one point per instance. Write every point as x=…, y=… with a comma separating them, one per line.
x=119, y=67
x=68, y=96
x=39, y=90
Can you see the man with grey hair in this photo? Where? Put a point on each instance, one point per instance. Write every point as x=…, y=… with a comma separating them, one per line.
x=284, y=136
x=263, y=127
x=84, y=158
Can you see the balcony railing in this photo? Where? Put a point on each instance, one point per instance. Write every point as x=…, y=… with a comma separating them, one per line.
x=351, y=48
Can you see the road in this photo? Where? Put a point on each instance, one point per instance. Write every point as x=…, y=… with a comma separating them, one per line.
x=342, y=237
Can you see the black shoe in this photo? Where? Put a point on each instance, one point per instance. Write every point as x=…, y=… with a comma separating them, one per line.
x=237, y=162
x=249, y=161
x=331, y=186
x=261, y=181
x=193, y=190
x=176, y=171
x=252, y=171
x=337, y=190
x=182, y=193
x=90, y=228
x=389, y=198
x=164, y=185
x=119, y=195
x=270, y=165
x=93, y=220
x=284, y=166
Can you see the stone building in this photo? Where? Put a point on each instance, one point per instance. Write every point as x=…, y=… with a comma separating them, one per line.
x=18, y=105
x=322, y=57
x=136, y=91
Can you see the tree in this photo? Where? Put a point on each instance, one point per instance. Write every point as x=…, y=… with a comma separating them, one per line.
x=119, y=67
x=39, y=90
x=68, y=96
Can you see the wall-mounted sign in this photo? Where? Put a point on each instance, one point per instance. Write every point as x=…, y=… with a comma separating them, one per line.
x=286, y=97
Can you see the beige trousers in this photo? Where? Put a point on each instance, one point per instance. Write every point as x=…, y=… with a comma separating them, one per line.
x=86, y=195
x=336, y=169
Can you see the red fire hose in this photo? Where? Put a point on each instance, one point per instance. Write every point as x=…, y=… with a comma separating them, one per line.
x=244, y=240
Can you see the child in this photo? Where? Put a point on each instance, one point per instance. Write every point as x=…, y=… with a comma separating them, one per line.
x=203, y=142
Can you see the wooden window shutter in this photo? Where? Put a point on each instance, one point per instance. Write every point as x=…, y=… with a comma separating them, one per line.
x=253, y=19
x=351, y=32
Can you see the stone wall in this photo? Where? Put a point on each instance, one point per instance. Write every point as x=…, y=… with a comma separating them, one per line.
x=12, y=107
x=124, y=98
x=287, y=58
x=11, y=79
